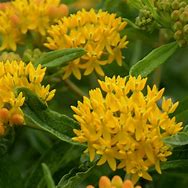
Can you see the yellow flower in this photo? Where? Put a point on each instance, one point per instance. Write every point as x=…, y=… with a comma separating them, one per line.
x=116, y=182
x=18, y=17
x=97, y=32
x=16, y=74
x=124, y=126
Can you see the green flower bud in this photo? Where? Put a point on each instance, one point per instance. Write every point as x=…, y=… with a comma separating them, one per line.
x=9, y=56
x=175, y=15
x=175, y=5
x=182, y=4
x=178, y=34
x=185, y=29
x=184, y=16
x=177, y=25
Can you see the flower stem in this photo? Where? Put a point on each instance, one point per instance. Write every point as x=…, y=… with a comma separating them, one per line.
x=74, y=88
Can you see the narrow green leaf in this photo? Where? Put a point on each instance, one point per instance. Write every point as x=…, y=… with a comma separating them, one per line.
x=179, y=139
x=48, y=177
x=38, y=115
x=155, y=58
x=59, y=57
x=136, y=4
x=74, y=178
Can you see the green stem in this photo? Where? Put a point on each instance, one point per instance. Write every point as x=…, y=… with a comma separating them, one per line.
x=157, y=76
x=74, y=88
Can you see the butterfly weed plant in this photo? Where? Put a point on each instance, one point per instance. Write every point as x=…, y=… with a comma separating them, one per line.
x=93, y=94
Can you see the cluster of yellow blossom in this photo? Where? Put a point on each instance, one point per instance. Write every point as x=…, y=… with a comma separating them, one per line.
x=18, y=17
x=124, y=126
x=14, y=74
x=97, y=32
x=116, y=182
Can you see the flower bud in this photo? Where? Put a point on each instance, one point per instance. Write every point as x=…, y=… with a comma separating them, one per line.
x=4, y=115
x=104, y=182
x=15, y=19
x=177, y=26
x=185, y=29
x=184, y=16
x=175, y=5
x=17, y=119
x=2, y=129
x=178, y=35
x=175, y=15
x=117, y=181
x=182, y=4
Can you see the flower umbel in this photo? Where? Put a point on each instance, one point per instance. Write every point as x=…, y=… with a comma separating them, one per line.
x=18, y=17
x=97, y=32
x=116, y=182
x=125, y=126
x=15, y=74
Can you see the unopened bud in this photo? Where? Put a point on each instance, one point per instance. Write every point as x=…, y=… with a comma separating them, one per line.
x=128, y=184
x=184, y=16
x=177, y=26
x=185, y=29
x=117, y=181
x=4, y=115
x=175, y=15
x=182, y=4
x=104, y=182
x=17, y=119
x=63, y=10
x=90, y=186
x=15, y=19
x=2, y=129
x=175, y=5
x=178, y=35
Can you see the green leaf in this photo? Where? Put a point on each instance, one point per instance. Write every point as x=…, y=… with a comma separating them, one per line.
x=136, y=4
x=155, y=58
x=60, y=155
x=48, y=177
x=179, y=139
x=175, y=164
x=59, y=57
x=10, y=176
x=38, y=115
x=74, y=178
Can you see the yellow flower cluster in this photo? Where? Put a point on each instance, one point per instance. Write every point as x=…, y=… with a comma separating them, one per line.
x=124, y=126
x=16, y=74
x=18, y=17
x=116, y=182
x=97, y=32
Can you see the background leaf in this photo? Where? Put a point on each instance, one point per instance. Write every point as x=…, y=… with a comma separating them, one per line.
x=10, y=176
x=155, y=58
x=47, y=176
x=38, y=115
x=59, y=57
